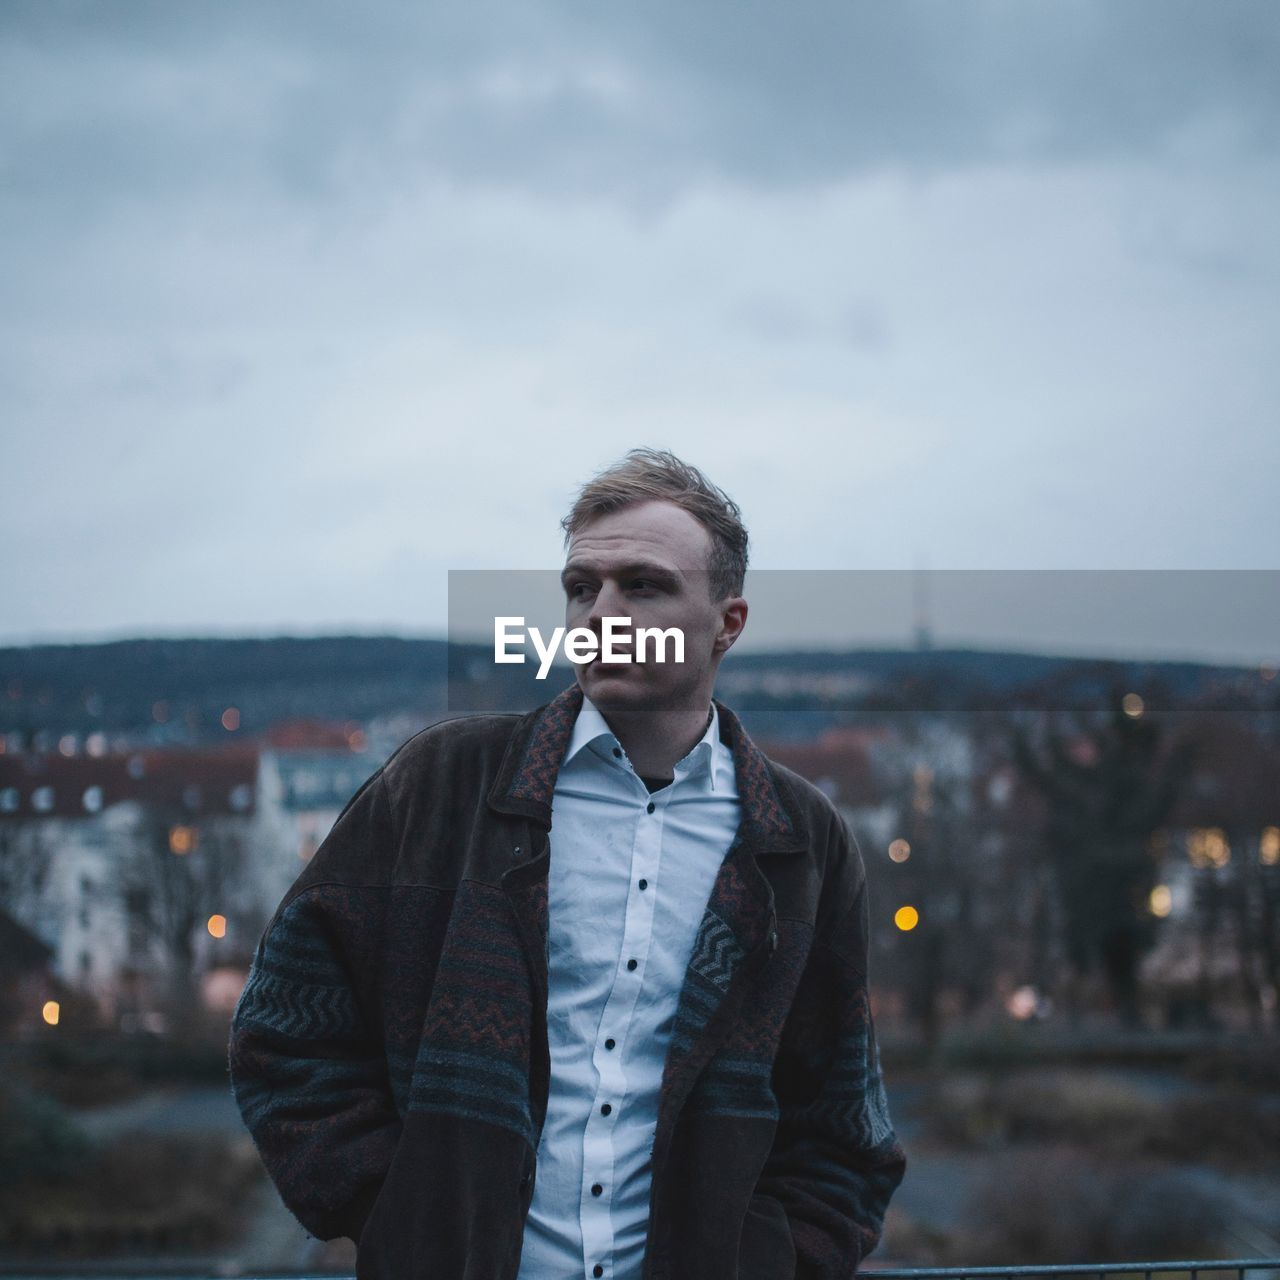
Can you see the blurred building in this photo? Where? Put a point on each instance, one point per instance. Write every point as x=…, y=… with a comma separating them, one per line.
x=150, y=875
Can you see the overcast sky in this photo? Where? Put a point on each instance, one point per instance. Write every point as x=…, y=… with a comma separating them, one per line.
x=306, y=304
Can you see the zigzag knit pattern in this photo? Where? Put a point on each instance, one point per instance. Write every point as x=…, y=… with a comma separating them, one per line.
x=536, y=775
x=299, y=1009
x=473, y=1060
x=738, y=1081
x=716, y=953
x=297, y=986
x=762, y=807
x=854, y=1103
x=308, y=1077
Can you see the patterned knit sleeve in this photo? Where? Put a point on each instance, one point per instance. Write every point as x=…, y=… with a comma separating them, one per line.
x=308, y=1068
x=836, y=1160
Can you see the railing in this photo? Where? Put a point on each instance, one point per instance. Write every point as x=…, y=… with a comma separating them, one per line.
x=1254, y=1268
x=1244, y=1269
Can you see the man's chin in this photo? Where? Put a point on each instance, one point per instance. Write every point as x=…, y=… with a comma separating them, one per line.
x=615, y=684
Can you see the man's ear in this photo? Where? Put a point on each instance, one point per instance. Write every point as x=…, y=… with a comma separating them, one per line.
x=733, y=618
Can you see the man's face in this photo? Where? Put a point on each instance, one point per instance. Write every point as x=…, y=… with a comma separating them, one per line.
x=648, y=562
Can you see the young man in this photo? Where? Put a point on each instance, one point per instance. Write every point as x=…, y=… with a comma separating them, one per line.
x=583, y=992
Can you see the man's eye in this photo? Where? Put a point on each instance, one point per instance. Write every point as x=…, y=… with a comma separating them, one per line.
x=578, y=589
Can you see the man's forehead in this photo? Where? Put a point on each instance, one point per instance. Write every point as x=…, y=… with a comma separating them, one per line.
x=657, y=531
x=628, y=556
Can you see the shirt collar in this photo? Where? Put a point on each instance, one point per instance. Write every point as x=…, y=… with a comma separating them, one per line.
x=591, y=730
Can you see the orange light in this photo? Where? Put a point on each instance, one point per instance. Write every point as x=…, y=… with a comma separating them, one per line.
x=50, y=1012
x=1160, y=901
x=1208, y=847
x=1269, y=847
x=1133, y=705
x=1022, y=1003
x=906, y=918
x=182, y=839
x=217, y=926
x=231, y=719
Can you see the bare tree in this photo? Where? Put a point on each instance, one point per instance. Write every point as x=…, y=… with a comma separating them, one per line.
x=1233, y=811
x=941, y=871
x=171, y=884
x=1108, y=787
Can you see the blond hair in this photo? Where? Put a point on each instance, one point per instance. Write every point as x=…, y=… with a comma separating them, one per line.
x=645, y=475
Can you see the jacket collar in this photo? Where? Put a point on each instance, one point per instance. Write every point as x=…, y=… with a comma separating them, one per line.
x=526, y=779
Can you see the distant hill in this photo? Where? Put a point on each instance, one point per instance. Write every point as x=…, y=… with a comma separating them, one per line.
x=179, y=689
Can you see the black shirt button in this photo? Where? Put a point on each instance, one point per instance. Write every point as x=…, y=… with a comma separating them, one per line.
x=651, y=807
x=631, y=964
x=597, y=1270
x=644, y=884
x=597, y=1189
x=609, y=1043
x=605, y=1109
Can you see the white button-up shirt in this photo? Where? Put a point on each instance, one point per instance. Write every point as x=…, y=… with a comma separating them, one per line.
x=629, y=880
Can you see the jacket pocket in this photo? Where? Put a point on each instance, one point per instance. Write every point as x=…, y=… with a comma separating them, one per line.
x=766, y=1250
x=453, y=1204
x=371, y=1245
x=369, y=1232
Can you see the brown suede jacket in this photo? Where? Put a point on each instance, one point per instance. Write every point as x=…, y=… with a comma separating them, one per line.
x=389, y=1051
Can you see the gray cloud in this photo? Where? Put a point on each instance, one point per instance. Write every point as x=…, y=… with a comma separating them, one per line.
x=320, y=102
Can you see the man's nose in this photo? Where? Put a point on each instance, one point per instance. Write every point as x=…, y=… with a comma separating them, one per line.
x=608, y=604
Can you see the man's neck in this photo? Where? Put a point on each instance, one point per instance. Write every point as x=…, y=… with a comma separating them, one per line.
x=656, y=743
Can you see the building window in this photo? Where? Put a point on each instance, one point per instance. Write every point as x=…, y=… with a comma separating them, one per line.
x=137, y=904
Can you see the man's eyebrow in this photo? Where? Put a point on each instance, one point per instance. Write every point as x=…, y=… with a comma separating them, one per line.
x=639, y=569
